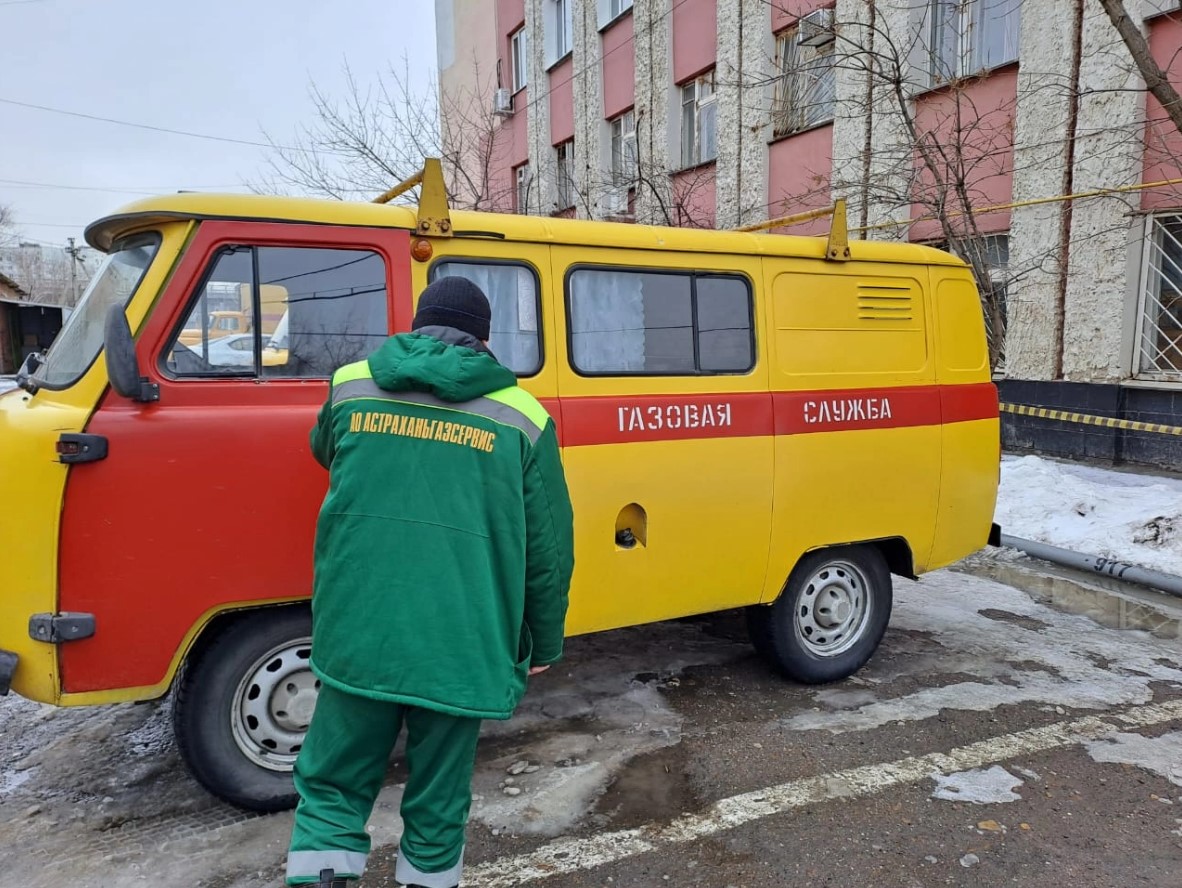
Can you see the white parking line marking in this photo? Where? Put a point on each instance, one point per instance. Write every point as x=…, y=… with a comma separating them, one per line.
x=572, y=855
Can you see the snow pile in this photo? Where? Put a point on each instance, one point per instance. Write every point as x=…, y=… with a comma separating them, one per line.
x=1118, y=515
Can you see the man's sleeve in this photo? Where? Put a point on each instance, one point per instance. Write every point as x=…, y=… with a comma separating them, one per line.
x=549, y=548
x=322, y=442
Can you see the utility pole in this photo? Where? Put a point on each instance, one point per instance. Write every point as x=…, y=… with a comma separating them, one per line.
x=72, y=251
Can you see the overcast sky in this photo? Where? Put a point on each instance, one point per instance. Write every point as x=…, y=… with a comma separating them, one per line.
x=226, y=68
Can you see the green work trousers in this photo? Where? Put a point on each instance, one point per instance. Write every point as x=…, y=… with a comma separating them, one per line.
x=340, y=770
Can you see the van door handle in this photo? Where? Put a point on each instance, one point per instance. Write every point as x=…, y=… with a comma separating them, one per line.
x=81, y=448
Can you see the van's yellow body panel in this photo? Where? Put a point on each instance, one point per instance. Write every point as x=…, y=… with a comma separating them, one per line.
x=34, y=483
x=867, y=415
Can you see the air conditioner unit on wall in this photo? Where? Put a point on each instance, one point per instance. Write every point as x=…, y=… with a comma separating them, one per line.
x=503, y=102
x=815, y=29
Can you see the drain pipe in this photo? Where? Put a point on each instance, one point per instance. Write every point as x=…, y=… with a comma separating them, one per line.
x=1117, y=570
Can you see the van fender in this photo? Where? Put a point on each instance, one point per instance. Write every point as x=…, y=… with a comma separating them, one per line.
x=204, y=628
x=895, y=550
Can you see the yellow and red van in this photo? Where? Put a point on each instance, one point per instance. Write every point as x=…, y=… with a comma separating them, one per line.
x=747, y=420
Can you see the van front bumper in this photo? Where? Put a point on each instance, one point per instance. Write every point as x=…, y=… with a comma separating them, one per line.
x=8, y=661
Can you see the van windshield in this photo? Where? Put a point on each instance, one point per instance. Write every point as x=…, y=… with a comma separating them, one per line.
x=81, y=339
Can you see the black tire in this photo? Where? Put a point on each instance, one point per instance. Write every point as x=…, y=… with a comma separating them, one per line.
x=210, y=717
x=806, y=634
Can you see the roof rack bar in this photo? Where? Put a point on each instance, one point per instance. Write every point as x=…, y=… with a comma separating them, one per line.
x=434, y=215
x=838, y=248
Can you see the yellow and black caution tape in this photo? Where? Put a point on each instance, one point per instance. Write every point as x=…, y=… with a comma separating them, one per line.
x=1087, y=419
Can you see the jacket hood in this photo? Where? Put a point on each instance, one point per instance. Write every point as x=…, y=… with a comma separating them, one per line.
x=448, y=363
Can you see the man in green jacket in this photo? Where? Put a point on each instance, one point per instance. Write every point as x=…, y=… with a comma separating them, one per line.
x=443, y=559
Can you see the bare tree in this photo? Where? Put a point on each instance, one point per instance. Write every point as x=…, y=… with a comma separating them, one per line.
x=634, y=179
x=928, y=165
x=374, y=136
x=928, y=155
x=44, y=273
x=7, y=226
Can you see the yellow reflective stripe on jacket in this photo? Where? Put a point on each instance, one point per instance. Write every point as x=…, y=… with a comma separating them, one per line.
x=523, y=402
x=490, y=408
x=356, y=370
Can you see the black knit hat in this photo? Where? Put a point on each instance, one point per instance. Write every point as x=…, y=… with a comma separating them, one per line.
x=454, y=302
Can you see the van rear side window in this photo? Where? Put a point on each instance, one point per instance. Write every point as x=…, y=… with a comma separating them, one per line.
x=512, y=291
x=658, y=323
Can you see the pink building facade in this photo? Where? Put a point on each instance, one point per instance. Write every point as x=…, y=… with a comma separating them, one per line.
x=720, y=113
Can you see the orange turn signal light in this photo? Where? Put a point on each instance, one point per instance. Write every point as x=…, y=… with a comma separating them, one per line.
x=420, y=249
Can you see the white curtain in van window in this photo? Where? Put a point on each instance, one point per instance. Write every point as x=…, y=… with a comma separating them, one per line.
x=512, y=293
x=607, y=321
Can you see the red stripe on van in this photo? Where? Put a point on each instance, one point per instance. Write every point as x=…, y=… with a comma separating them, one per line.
x=964, y=403
x=616, y=420
x=612, y=420
x=846, y=410
x=800, y=413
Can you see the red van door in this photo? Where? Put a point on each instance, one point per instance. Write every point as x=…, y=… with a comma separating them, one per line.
x=208, y=498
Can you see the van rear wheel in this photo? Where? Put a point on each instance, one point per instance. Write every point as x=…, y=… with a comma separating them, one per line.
x=829, y=619
x=243, y=704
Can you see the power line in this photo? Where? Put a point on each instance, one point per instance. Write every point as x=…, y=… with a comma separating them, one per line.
x=160, y=129
x=143, y=189
x=53, y=225
x=6, y=183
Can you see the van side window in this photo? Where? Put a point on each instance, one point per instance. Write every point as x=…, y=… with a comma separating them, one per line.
x=512, y=291
x=659, y=323
x=282, y=312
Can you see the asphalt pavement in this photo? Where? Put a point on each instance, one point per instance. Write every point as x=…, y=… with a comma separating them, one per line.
x=999, y=737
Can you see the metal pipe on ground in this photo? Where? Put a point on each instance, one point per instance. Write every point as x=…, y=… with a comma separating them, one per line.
x=1120, y=570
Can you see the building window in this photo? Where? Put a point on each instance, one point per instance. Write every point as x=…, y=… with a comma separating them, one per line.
x=804, y=94
x=512, y=291
x=969, y=36
x=558, y=29
x=1159, y=350
x=698, y=121
x=522, y=180
x=628, y=322
x=624, y=158
x=519, y=43
x=610, y=10
x=565, y=178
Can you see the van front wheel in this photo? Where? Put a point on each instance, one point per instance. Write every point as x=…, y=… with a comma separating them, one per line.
x=829, y=619
x=243, y=704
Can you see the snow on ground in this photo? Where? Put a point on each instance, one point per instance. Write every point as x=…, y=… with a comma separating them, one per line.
x=1120, y=515
x=1017, y=650
x=6, y=384
x=991, y=786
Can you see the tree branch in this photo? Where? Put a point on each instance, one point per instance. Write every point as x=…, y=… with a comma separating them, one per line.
x=1156, y=80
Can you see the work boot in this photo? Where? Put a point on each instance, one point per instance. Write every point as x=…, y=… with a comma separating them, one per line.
x=328, y=879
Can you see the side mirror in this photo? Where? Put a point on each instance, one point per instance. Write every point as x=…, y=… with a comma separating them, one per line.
x=24, y=376
x=32, y=363
x=122, y=367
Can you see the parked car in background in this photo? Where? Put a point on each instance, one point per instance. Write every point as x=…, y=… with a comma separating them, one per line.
x=232, y=351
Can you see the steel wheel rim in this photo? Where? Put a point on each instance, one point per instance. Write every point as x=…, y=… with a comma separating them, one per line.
x=273, y=705
x=832, y=609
